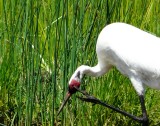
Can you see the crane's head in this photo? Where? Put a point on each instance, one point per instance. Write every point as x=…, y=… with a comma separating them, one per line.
x=74, y=82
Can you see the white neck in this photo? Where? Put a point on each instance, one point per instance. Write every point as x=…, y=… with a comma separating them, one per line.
x=92, y=71
x=87, y=70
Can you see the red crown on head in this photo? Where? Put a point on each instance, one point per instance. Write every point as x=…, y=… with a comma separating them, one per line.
x=72, y=84
x=75, y=83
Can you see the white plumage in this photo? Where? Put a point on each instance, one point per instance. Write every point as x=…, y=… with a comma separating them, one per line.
x=134, y=52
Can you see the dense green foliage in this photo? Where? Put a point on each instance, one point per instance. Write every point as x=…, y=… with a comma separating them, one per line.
x=41, y=44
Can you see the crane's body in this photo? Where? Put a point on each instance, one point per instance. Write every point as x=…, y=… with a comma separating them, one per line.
x=135, y=53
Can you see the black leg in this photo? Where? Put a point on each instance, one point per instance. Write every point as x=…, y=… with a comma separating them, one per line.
x=144, y=112
x=144, y=119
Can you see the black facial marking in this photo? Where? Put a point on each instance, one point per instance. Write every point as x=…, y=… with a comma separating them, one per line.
x=78, y=74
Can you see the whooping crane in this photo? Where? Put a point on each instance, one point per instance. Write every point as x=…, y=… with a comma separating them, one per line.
x=135, y=53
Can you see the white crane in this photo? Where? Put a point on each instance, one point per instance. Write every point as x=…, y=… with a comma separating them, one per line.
x=135, y=53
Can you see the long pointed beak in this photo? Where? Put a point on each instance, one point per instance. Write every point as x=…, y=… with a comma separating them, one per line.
x=68, y=95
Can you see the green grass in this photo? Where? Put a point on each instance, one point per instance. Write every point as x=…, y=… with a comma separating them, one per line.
x=43, y=42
